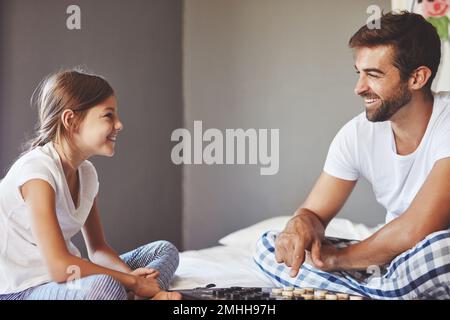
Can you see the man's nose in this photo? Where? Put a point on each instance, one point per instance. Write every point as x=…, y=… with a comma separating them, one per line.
x=361, y=86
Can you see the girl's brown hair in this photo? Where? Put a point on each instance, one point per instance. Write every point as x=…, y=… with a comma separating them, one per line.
x=68, y=89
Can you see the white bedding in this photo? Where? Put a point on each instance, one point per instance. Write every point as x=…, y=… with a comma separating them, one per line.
x=231, y=263
x=222, y=265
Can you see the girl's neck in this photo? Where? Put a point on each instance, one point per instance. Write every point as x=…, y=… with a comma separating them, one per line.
x=70, y=159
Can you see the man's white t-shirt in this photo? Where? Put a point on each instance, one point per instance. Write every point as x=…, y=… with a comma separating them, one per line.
x=367, y=149
x=21, y=262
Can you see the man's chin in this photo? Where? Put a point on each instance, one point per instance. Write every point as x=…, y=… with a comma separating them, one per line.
x=373, y=117
x=369, y=115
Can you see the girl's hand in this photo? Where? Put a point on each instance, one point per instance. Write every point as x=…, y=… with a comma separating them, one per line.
x=147, y=287
x=146, y=273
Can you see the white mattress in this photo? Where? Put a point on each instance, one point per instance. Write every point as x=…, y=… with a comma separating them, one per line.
x=231, y=264
x=222, y=265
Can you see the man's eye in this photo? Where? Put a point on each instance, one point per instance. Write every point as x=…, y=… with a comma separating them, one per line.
x=373, y=75
x=109, y=115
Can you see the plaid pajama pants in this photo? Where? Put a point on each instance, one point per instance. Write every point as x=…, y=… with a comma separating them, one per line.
x=422, y=272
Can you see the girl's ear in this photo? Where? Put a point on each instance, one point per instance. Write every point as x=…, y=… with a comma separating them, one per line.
x=67, y=118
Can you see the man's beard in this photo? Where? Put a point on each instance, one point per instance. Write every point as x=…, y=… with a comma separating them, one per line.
x=389, y=106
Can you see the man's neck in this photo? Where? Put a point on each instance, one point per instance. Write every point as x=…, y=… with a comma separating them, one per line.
x=410, y=123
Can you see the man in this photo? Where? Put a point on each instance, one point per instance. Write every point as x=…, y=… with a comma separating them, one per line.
x=401, y=145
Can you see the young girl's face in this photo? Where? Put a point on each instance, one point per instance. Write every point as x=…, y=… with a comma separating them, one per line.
x=98, y=131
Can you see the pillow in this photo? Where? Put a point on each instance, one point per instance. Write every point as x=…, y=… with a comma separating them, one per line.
x=247, y=237
x=341, y=228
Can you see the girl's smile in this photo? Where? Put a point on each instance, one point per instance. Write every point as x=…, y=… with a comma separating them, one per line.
x=97, y=134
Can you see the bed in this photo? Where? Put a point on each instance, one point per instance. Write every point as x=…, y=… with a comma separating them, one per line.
x=231, y=264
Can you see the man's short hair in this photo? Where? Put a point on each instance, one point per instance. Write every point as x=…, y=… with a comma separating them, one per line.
x=415, y=41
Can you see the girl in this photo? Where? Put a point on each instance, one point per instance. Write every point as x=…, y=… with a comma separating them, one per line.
x=49, y=195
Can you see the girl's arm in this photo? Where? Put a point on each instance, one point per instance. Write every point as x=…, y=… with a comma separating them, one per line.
x=99, y=251
x=40, y=199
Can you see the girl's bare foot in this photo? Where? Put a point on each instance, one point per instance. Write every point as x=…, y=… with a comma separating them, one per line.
x=165, y=295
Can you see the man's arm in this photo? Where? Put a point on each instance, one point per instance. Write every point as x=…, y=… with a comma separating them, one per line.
x=327, y=197
x=305, y=231
x=429, y=212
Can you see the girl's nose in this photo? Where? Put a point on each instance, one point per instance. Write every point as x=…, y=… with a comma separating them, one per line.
x=118, y=126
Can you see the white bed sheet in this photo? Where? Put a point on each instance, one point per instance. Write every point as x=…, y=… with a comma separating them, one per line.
x=222, y=265
x=232, y=264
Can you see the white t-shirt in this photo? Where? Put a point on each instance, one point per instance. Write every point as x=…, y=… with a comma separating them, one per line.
x=364, y=148
x=21, y=263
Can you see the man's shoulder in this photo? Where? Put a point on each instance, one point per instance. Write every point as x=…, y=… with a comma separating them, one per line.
x=442, y=102
x=443, y=99
x=443, y=96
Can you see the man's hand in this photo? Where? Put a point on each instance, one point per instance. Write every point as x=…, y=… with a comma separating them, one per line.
x=328, y=261
x=303, y=232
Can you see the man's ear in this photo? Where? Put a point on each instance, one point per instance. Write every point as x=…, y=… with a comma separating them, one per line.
x=419, y=78
x=67, y=118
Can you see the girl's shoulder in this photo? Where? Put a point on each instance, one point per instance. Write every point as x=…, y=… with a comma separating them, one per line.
x=37, y=163
x=39, y=157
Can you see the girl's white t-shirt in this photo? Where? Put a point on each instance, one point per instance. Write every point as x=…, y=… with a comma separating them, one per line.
x=21, y=262
x=368, y=149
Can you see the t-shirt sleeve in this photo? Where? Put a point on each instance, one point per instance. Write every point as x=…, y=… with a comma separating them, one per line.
x=91, y=177
x=442, y=149
x=35, y=169
x=441, y=137
x=342, y=159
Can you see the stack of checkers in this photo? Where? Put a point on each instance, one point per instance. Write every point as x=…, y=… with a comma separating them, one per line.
x=291, y=293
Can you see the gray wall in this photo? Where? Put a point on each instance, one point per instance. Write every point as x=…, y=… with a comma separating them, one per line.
x=136, y=45
x=247, y=64
x=268, y=64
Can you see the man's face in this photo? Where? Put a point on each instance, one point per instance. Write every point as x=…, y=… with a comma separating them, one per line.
x=379, y=83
